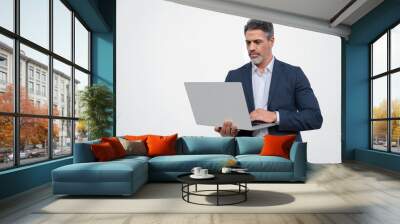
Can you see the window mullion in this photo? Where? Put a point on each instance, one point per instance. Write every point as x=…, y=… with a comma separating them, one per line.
x=371, y=98
x=73, y=82
x=50, y=81
x=389, y=104
x=16, y=83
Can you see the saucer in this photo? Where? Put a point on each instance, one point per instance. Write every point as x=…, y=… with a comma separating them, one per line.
x=208, y=176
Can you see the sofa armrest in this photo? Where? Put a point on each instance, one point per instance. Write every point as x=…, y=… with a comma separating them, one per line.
x=83, y=152
x=298, y=155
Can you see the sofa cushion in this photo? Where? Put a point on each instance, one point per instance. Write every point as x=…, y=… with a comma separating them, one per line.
x=257, y=163
x=112, y=171
x=116, y=145
x=185, y=163
x=249, y=145
x=277, y=145
x=161, y=145
x=136, y=137
x=103, y=152
x=196, y=145
x=134, y=147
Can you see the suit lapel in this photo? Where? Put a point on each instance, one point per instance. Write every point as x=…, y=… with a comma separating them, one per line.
x=276, y=74
x=248, y=88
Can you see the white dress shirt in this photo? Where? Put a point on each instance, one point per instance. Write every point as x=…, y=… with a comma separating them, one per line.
x=261, y=84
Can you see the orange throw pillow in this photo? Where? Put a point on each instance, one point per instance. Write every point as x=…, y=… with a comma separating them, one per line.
x=116, y=145
x=135, y=138
x=103, y=152
x=161, y=145
x=277, y=145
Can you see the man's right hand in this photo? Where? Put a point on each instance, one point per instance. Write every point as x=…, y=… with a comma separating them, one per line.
x=227, y=129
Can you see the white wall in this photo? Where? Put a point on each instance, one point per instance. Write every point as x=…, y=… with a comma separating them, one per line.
x=161, y=45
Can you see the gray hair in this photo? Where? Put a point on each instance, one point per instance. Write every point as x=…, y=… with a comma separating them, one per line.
x=254, y=24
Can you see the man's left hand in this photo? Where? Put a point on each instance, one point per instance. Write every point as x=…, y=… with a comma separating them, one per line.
x=263, y=115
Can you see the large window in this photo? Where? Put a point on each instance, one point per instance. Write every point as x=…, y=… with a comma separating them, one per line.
x=385, y=91
x=44, y=64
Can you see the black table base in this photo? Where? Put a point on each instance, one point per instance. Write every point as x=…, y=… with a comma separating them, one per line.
x=241, y=191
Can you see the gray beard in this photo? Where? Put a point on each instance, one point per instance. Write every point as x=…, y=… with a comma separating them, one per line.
x=257, y=60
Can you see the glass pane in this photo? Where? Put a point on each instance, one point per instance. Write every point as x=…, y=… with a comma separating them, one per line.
x=379, y=135
x=34, y=81
x=6, y=74
x=81, y=81
x=6, y=142
x=62, y=138
x=62, y=29
x=379, y=98
x=33, y=139
x=379, y=55
x=62, y=89
x=395, y=47
x=81, y=45
x=395, y=136
x=35, y=21
x=395, y=94
x=7, y=14
x=81, y=131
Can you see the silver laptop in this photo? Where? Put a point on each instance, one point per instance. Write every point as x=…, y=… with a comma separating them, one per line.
x=215, y=102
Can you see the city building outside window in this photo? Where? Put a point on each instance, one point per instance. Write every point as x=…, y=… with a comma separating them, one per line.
x=30, y=87
x=3, y=78
x=37, y=75
x=3, y=61
x=30, y=72
x=3, y=72
x=43, y=90
x=43, y=77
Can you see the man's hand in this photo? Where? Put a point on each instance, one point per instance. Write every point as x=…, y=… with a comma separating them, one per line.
x=227, y=129
x=263, y=115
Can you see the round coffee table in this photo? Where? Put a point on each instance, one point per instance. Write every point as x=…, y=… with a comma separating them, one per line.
x=238, y=179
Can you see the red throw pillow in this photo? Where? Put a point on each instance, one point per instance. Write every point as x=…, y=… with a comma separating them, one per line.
x=161, y=145
x=277, y=145
x=116, y=145
x=103, y=152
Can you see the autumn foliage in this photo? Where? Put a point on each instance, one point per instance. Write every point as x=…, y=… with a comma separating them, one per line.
x=33, y=131
x=380, y=127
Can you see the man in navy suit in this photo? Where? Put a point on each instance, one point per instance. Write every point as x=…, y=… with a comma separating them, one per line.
x=274, y=90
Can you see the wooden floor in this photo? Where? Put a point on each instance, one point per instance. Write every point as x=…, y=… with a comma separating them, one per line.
x=377, y=188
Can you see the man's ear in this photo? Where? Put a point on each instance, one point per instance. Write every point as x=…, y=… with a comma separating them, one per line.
x=272, y=39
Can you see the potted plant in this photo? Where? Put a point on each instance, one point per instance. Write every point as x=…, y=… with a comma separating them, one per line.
x=96, y=102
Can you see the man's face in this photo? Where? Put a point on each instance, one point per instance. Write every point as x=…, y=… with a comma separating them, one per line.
x=259, y=47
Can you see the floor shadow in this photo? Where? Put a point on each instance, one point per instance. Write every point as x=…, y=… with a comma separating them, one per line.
x=255, y=198
x=148, y=191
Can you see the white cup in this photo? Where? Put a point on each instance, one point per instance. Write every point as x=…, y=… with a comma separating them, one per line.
x=226, y=170
x=203, y=172
x=196, y=170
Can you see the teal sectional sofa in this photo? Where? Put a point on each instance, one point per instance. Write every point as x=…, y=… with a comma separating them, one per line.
x=125, y=176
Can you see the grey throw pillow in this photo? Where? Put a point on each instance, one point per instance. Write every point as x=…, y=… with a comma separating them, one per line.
x=137, y=147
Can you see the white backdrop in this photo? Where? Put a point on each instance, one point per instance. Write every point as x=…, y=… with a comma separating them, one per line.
x=161, y=45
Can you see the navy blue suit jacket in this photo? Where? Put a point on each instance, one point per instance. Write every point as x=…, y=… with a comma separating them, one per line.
x=290, y=93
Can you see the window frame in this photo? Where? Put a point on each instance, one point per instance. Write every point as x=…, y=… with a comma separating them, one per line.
x=388, y=74
x=15, y=72
x=3, y=70
x=3, y=77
